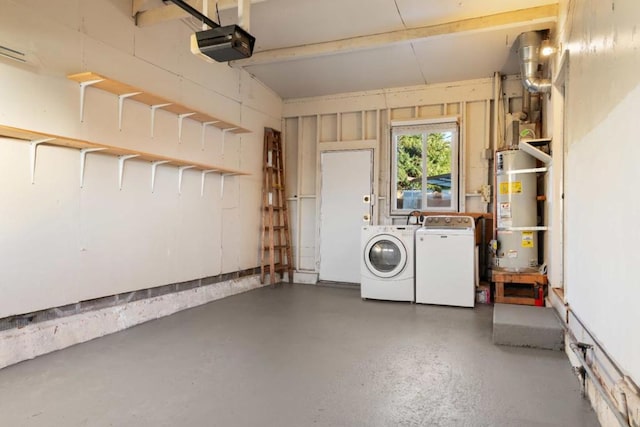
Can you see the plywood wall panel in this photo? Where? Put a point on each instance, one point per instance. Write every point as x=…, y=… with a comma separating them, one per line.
x=64, y=244
x=328, y=127
x=292, y=144
x=308, y=156
x=351, y=126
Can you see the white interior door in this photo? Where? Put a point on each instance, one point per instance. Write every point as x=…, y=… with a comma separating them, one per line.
x=345, y=205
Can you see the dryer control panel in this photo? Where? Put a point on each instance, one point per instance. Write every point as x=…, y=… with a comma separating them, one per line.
x=447, y=222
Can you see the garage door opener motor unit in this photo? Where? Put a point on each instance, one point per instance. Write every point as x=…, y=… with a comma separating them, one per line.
x=222, y=44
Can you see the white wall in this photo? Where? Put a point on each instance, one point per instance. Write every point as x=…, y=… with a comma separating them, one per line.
x=602, y=210
x=352, y=119
x=62, y=244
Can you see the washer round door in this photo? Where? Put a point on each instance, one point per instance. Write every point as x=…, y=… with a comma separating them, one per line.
x=385, y=256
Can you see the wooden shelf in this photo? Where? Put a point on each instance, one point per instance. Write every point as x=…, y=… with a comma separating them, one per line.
x=131, y=92
x=37, y=138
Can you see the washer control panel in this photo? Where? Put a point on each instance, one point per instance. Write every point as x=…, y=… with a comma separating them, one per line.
x=448, y=222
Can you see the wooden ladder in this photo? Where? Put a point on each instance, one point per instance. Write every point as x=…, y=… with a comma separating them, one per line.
x=276, y=238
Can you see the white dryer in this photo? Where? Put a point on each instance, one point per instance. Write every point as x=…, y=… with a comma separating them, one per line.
x=445, y=261
x=387, y=268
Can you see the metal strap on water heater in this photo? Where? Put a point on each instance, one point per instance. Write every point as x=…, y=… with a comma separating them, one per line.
x=536, y=228
x=518, y=171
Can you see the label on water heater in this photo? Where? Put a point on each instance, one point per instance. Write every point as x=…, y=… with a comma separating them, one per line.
x=505, y=210
x=505, y=223
x=512, y=254
x=527, y=239
x=514, y=187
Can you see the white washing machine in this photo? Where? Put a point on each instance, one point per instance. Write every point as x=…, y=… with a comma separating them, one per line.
x=445, y=261
x=387, y=268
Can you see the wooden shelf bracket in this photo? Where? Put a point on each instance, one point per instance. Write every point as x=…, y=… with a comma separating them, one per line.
x=83, y=161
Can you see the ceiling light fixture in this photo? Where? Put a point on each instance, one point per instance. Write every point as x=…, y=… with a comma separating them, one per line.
x=546, y=48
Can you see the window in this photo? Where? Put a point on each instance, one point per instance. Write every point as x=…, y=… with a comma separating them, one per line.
x=425, y=166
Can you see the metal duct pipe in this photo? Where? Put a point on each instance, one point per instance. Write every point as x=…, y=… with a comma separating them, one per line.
x=526, y=104
x=529, y=53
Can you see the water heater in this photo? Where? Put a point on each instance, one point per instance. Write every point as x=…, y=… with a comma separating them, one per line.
x=516, y=211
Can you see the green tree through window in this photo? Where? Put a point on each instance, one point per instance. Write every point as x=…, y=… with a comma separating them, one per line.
x=425, y=166
x=410, y=162
x=438, y=157
x=410, y=159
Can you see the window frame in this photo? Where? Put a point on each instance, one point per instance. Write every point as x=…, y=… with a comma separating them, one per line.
x=425, y=127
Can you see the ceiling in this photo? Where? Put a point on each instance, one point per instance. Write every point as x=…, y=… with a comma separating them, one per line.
x=310, y=47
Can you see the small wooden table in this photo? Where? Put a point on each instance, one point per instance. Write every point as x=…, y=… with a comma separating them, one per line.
x=522, y=288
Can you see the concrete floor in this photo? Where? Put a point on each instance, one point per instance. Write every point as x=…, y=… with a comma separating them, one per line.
x=298, y=356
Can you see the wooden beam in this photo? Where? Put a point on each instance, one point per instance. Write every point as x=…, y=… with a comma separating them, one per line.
x=244, y=14
x=547, y=13
x=138, y=6
x=171, y=12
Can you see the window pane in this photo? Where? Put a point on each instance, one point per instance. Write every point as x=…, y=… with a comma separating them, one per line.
x=439, y=169
x=425, y=167
x=409, y=175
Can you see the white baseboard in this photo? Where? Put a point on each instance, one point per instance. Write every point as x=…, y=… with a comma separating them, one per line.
x=307, y=278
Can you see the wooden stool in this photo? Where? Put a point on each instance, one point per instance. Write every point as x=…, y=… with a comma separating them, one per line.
x=523, y=288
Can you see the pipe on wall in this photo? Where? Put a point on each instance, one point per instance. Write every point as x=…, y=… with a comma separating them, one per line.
x=580, y=351
x=577, y=349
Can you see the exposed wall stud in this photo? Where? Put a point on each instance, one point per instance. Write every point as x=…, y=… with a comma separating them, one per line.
x=83, y=88
x=181, y=170
x=83, y=160
x=244, y=14
x=33, y=151
x=154, y=166
x=121, y=99
x=121, y=160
